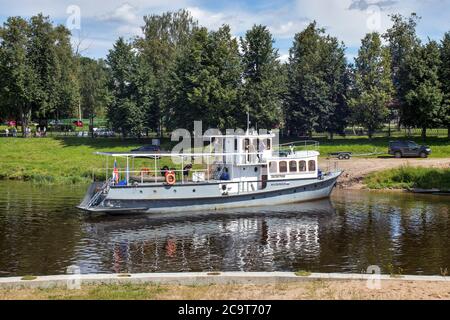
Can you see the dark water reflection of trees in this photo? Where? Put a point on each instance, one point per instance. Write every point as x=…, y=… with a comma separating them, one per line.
x=42, y=233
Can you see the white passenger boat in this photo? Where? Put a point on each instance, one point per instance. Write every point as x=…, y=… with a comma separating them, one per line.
x=248, y=171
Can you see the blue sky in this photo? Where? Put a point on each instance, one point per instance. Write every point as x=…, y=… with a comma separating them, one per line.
x=103, y=21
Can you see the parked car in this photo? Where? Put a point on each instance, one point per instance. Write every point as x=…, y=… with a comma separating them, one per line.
x=148, y=149
x=103, y=132
x=78, y=123
x=401, y=149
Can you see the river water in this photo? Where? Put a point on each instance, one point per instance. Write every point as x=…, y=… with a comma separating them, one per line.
x=41, y=232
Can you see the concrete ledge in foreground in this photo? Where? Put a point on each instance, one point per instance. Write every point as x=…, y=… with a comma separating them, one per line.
x=198, y=278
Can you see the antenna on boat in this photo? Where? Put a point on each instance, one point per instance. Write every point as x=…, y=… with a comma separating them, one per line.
x=248, y=122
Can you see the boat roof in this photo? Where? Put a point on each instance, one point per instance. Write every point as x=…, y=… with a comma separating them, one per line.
x=303, y=153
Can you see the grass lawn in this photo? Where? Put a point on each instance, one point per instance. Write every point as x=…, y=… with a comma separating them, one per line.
x=72, y=159
x=409, y=177
x=61, y=160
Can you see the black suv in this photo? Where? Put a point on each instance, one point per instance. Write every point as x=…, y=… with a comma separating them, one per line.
x=408, y=149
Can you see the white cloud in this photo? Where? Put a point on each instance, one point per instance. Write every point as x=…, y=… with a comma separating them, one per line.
x=125, y=13
x=284, y=58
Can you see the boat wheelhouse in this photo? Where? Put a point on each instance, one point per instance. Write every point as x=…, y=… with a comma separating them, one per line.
x=236, y=171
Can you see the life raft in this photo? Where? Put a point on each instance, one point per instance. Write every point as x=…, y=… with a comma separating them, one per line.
x=170, y=177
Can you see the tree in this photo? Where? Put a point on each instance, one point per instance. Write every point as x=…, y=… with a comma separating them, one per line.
x=444, y=77
x=44, y=62
x=373, y=87
x=205, y=81
x=18, y=80
x=66, y=91
x=123, y=112
x=164, y=38
x=424, y=97
x=262, y=78
x=317, y=83
x=402, y=40
x=94, y=94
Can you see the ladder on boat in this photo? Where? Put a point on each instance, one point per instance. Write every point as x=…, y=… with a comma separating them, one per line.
x=97, y=195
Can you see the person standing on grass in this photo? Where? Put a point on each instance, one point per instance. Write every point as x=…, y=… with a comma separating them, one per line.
x=14, y=132
x=6, y=132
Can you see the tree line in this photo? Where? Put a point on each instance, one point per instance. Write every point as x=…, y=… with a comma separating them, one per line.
x=178, y=72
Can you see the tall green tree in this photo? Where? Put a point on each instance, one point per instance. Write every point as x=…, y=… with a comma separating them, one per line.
x=206, y=80
x=44, y=61
x=401, y=39
x=18, y=78
x=123, y=112
x=263, y=85
x=424, y=97
x=317, y=83
x=444, y=77
x=66, y=91
x=94, y=94
x=164, y=37
x=373, y=87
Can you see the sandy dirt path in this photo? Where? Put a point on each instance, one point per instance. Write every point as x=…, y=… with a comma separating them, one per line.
x=356, y=168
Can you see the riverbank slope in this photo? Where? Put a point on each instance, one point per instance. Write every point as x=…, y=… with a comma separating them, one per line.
x=356, y=169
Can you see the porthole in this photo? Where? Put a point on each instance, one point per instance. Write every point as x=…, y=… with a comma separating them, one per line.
x=154, y=191
x=256, y=169
x=193, y=190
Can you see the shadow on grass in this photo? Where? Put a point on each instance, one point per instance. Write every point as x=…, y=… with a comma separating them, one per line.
x=104, y=143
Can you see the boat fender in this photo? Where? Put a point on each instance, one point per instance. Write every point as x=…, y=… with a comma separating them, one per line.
x=170, y=178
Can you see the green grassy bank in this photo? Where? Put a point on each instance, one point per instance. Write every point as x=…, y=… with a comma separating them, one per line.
x=409, y=177
x=72, y=160
x=59, y=160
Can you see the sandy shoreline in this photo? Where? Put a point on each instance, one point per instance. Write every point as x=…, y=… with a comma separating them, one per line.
x=356, y=169
x=318, y=289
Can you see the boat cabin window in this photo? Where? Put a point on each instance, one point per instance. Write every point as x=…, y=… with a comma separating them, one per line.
x=273, y=167
x=292, y=166
x=302, y=166
x=312, y=165
x=283, y=166
x=246, y=143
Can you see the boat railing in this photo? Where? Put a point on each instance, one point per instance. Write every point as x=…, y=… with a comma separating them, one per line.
x=301, y=145
x=146, y=175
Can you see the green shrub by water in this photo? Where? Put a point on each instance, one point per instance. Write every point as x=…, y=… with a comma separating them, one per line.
x=409, y=177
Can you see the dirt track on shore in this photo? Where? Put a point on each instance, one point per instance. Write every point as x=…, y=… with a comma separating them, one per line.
x=356, y=169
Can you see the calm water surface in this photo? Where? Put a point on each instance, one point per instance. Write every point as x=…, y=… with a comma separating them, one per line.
x=42, y=233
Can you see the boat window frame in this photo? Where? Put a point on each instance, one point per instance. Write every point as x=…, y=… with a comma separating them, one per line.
x=285, y=168
x=290, y=167
x=309, y=165
x=300, y=166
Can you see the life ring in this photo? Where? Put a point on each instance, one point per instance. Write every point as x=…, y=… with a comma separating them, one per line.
x=170, y=178
x=145, y=171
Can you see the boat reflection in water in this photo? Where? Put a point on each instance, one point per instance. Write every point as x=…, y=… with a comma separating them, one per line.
x=268, y=238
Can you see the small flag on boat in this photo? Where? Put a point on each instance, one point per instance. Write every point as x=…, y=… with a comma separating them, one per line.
x=115, y=172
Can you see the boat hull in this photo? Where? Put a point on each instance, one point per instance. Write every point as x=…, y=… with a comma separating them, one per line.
x=139, y=199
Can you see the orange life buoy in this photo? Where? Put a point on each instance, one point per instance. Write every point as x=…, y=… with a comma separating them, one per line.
x=170, y=177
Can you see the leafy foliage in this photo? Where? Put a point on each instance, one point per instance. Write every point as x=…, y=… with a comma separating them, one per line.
x=373, y=88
